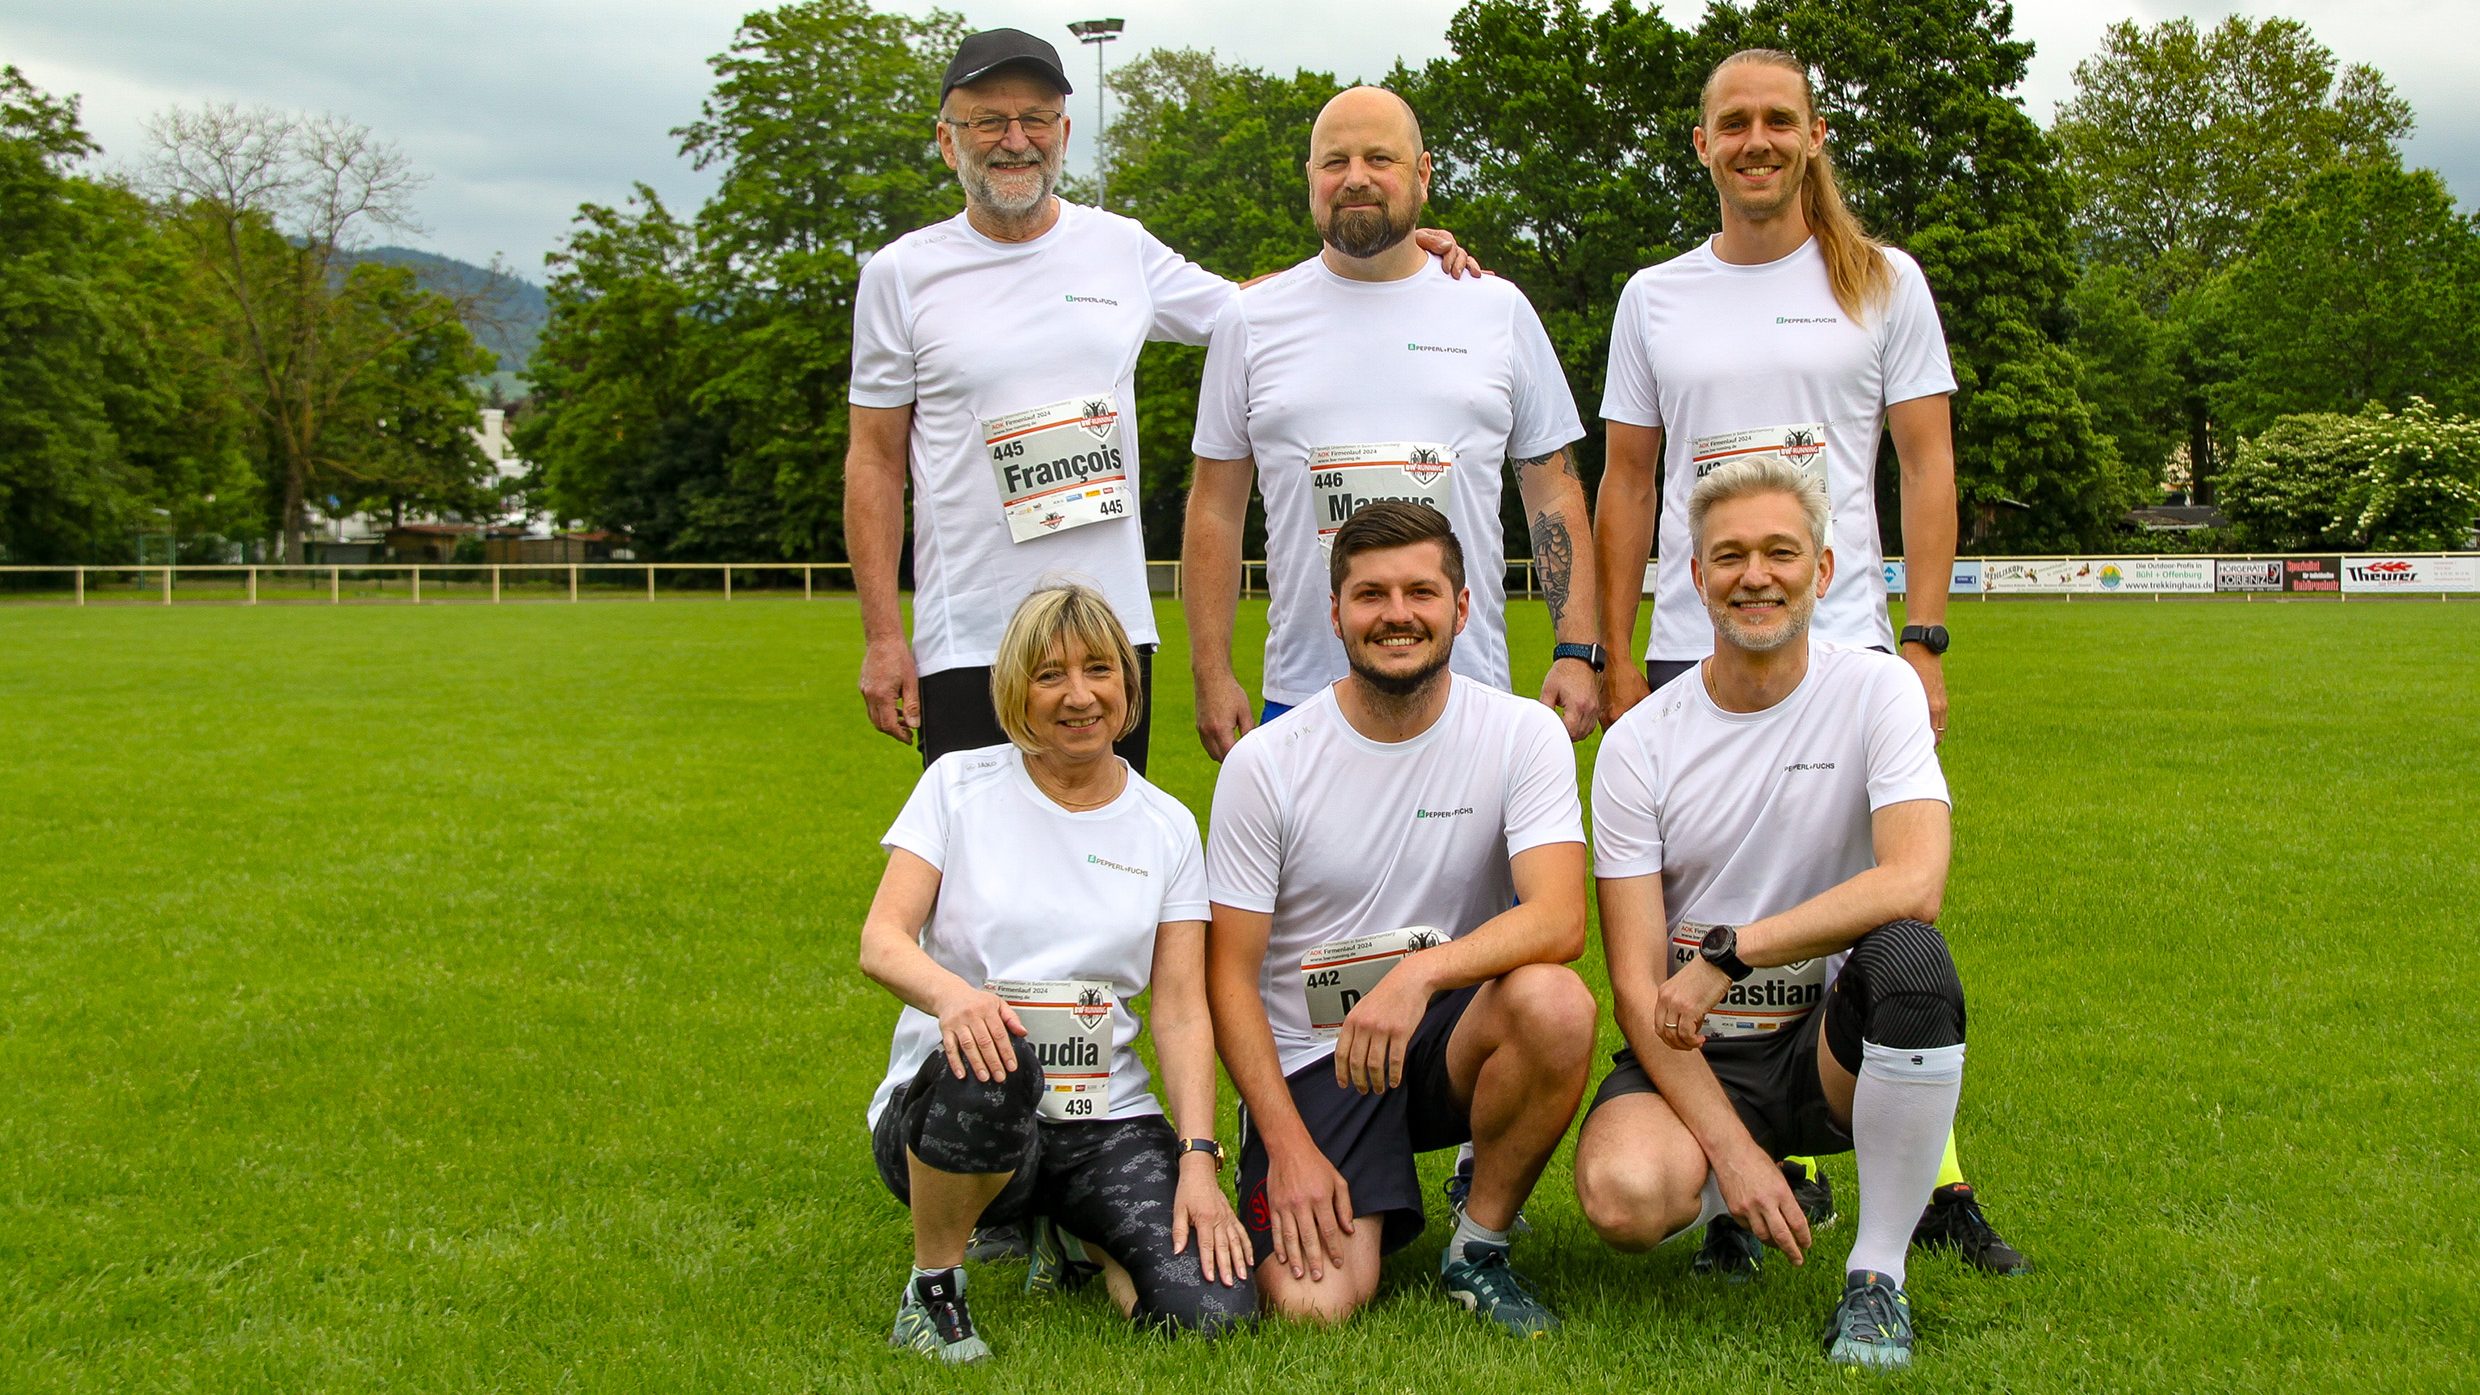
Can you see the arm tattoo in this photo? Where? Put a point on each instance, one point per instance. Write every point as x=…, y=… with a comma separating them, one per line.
x=1556, y=460
x=1554, y=559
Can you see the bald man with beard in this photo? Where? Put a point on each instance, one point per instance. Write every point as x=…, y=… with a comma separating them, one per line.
x=1366, y=373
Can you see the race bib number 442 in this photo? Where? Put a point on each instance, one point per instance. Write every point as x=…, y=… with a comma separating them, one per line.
x=1059, y=466
x=1340, y=973
x=1068, y=1029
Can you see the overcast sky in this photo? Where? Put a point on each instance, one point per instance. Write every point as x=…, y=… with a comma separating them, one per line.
x=519, y=110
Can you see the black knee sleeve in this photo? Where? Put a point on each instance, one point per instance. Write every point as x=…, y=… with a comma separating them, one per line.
x=1898, y=989
x=969, y=1125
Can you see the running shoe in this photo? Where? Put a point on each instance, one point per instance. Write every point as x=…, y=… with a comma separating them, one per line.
x=1731, y=1252
x=1489, y=1289
x=934, y=1321
x=1459, y=1190
x=992, y=1244
x=1953, y=1221
x=1815, y=1194
x=1054, y=1261
x=1872, y=1326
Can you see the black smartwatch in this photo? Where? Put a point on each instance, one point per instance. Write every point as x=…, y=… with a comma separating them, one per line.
x=1206, y=1146
x=1592, y=654
x=1721, y=949
x=1930, y=637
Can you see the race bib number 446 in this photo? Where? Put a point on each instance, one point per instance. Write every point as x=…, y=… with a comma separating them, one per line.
x=1068, y=1029
x=1059, y=466
x=1345, y=479
x=1340, y=973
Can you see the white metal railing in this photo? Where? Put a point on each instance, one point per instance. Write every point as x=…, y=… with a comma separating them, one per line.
x=2342, y=575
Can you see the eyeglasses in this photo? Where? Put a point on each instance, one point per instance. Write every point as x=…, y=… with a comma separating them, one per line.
x=1037, y=125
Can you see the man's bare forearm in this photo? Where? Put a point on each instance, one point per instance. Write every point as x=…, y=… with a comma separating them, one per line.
x=1245, y=1038
x=1210, y=562
x=1624, y=513
x=874, y=537
x=1562, y=538
x=1924, y=444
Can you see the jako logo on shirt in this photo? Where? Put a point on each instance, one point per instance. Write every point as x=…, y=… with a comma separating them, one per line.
x=1440, y=813
x=1435, y=349
x=1116, y=866
x=1092, y=300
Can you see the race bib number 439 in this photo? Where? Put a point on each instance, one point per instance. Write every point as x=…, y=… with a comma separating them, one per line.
x=1340, y=973
x=1068, y=1028
x=1059, y=466
x=1345, y=479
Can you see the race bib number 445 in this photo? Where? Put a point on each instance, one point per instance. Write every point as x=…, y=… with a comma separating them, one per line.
x=1059, y=466
x=1345, y=479
x=1068, y=1029
x=1340, y=973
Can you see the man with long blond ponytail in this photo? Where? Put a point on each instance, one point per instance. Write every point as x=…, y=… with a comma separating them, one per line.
x=1790, y=332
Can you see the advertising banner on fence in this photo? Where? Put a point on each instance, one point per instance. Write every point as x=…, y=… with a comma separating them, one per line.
x=2409, y=576
x=2263, y=575
x=2100, y=576
x=2312, y=575
x=1966, y=581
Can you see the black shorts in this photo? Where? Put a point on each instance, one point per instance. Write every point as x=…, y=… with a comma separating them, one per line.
x=956, y=714
x=1371, y=1139
x=1661, y=671
x=1771, y=1081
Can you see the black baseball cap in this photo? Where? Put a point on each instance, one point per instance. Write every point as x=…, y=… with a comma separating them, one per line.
x=992, y=49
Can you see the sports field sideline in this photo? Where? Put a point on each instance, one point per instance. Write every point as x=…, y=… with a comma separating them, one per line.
x=458, y=999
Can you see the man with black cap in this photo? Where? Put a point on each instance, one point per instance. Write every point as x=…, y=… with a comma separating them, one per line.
x=994, y=359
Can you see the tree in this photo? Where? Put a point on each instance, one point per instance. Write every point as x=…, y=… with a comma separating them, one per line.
x=270, y=205
x=2365, y=287
x=2178, y=140
x=615, y=424
x=107, y=418
x=2377, y=479
x=821, y=126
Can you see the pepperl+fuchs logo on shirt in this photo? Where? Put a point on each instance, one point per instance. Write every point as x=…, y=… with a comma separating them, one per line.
x=1094, y=861
x=1809, y=765
x=1419, y=814
x=1434, y=349
x=1808, y=319
x=1093, y=300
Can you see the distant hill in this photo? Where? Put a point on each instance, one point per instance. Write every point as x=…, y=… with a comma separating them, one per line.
x=518, y=306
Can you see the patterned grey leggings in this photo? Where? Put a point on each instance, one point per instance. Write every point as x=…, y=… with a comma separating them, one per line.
x=1110, y=1183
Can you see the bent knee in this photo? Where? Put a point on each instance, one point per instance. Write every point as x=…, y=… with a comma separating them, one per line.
x=1548, y=1009
x=1633, y=1205
x=1324, y=1301
x=1204, y=1311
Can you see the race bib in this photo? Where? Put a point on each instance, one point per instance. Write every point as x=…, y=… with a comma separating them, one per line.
x=1343, y=479
x=1068, y=1028
x=1340, y=973
x=1059, y=466
x=1766, y=1001
x=1801, y=443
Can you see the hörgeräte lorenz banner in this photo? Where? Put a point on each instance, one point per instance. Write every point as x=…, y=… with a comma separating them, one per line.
x=2255, y=574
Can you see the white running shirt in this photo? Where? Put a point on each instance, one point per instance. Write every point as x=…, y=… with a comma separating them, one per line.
x=1028, y=890
x=964, y=329
x=1349, y=391
x=1338, y=836
x=1731, y=360
x=1747, y=814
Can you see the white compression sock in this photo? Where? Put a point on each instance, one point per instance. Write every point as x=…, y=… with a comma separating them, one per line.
x=1901, y=1112
x=1708, y=1205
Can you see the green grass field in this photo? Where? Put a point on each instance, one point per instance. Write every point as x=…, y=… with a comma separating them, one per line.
x=462, y=998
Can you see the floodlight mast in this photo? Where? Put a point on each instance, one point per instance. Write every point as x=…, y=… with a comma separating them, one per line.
x=1098, y=32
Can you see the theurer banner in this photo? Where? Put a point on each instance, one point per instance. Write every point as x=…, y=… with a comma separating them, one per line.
x=2409, y=576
